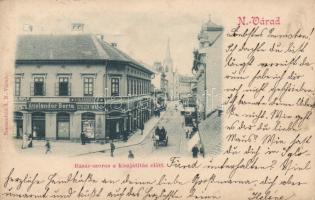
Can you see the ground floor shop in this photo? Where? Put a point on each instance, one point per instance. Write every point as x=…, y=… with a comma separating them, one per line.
x=69, y=125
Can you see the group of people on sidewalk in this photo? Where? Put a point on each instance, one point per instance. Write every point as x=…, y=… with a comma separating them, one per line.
x=196, y=150
x=27, y=142
x=113, y=147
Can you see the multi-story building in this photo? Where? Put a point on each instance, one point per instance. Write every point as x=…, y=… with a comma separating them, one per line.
x=69, y=84
x=208, y=68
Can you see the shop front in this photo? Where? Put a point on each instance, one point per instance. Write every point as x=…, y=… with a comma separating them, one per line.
x=88, y=125
x=115, y=125
x=63, y=126
x=18, y=120
x=38, y=125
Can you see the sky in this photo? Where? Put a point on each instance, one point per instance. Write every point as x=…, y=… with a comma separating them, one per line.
x=141, y=30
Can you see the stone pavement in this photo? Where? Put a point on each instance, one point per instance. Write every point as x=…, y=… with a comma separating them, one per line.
x=72, y=149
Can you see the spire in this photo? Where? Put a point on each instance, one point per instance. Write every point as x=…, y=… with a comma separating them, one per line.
x=168, y=51
x=168, y=62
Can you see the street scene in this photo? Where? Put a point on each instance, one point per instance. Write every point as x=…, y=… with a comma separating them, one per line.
x=77, y=93
x=141, y=145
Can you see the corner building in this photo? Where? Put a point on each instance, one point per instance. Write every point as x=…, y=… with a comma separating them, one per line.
x=69, y=84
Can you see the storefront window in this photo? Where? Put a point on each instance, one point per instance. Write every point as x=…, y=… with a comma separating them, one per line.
x=88, y=125
x=18, y=119
x=63, y=126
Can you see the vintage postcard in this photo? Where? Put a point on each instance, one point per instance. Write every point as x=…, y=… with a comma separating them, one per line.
x=157, y=100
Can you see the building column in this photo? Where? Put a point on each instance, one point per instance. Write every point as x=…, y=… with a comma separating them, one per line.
x=51, y=125
x=100, y=126
x=75, y=125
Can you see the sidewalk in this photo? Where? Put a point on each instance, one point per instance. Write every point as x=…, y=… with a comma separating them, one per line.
x=210, y=132
x=72, y=149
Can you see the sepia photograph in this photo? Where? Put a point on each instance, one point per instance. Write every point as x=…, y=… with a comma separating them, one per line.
x=80, y=88
x=157, y=100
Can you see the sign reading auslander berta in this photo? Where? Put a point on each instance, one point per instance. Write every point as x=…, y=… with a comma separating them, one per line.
x=34, y=106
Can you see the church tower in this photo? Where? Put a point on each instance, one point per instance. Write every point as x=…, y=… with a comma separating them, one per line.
x=168, y=62
x=168, y=68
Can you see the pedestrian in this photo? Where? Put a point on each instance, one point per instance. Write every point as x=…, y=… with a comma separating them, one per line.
x=112, y=149
x=130, y=155
x=125, y=136
x=202, y=151
x=142, y=128
x=195, y=151
x=48, y=147
x=82, y=138
x=187, y=133
x=30, y=139
x=24, y=141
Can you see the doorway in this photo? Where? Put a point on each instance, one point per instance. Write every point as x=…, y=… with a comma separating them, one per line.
x=38, y=125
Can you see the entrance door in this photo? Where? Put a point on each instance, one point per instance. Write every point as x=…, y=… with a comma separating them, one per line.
x=38, y=125
x=63, y=126
x=114, y=127
x=18, y=118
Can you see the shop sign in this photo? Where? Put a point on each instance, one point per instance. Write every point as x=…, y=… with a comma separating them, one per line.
x=47, y=106
x=91, y=107
x=19, y=106
x=21, y=99
x=87, y=99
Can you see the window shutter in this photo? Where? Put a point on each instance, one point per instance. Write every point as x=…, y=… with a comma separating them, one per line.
x=69, y=89
x=57, y=89
x=32, y=88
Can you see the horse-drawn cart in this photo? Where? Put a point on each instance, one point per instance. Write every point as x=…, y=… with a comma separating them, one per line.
x=160, y=139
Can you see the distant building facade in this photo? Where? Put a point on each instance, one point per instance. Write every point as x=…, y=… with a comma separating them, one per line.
x=66, y=85
x=185, y=85
x=160, y=84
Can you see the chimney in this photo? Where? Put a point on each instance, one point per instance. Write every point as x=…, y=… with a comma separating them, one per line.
x=114, y=44
x=77, y=27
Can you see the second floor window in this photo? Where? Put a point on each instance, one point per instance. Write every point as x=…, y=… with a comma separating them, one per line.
x=115, y=86
x=88, y=86
x=17, y=88
x=64, y=86
x=39, y=89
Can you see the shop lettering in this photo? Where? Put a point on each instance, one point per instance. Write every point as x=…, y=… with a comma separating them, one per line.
x=87, y=99
x=51, y=106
